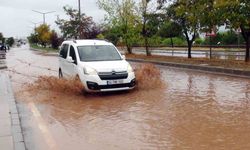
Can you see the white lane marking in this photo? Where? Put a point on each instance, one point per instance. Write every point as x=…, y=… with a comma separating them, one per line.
x=42, y=126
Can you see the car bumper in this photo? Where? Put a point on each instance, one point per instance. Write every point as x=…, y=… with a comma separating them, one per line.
x=93, y=83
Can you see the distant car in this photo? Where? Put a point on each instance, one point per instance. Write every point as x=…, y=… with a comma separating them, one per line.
x=97, y=63
x=2, y=51
x=3, y=47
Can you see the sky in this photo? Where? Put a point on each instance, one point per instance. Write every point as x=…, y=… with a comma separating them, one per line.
x=17, y=17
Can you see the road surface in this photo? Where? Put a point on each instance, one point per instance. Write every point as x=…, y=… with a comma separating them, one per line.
x=193, y=111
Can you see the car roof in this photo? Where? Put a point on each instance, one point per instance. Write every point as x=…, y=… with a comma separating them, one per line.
x=87, y=42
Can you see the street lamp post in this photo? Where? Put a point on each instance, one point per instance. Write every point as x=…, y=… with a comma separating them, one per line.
x=80, y=21
x=43, y=13
x=79, y=6
x=35, y=23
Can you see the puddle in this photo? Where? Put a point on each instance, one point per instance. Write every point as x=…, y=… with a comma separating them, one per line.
x=195, y=111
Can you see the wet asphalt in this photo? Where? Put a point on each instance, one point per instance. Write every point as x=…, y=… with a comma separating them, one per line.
x=193, y=111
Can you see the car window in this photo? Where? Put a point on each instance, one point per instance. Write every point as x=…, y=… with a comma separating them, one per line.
x=61, y=51
x=64, y=51
x=98, y=53
x=72, y=53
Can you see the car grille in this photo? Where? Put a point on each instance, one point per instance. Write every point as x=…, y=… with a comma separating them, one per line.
x=113, y=75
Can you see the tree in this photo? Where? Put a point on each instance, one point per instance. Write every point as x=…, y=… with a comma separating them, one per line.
x=226, y=38
x=33, y=39
x=170, y=29
x=208, y=16
x=236, y=14
x=43, y=34
x=230, y=38
x=70, y=28
x=1, y=37
x=3, y=40
x=93, y=32
x=186, y=15
x=10, y=41
x=112, y=34
x=150, y=23
x=122, y=15
x=55, y=40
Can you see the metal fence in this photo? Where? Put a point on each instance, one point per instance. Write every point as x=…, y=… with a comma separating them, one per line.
x=234, y=55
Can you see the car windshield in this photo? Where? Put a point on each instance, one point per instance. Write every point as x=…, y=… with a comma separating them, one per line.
x=98, y=53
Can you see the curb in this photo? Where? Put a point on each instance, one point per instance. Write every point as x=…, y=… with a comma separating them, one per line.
x=3, y=67
x=16, y=130
x=210, y=69
x=3, y=64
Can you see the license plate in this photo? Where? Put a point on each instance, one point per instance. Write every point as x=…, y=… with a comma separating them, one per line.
x=111, y=82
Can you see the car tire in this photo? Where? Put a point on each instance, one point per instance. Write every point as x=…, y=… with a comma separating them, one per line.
x=60, y=74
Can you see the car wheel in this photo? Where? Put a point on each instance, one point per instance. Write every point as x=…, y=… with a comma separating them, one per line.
x=60, y=74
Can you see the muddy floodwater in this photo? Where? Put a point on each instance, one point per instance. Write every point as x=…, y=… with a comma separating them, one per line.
x=192, y=111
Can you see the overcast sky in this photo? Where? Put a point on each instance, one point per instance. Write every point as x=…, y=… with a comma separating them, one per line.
x=16, y=16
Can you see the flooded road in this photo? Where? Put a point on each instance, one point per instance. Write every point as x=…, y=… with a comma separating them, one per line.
x=193, y=111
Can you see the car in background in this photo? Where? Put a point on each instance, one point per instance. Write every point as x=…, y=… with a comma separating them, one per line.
x=2, y=51
x=3, y=47
x=97, y=63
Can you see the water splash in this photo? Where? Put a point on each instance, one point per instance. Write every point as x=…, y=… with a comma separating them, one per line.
x=52, y=83
x=148, y=77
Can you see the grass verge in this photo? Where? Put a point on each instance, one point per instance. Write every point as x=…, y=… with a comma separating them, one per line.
x=46, y=49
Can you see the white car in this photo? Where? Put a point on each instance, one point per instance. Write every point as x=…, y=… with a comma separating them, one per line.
x=98, y=63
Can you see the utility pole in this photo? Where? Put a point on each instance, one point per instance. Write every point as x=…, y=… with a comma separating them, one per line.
x=35, y=23
x=79, y=6
x=80, y=21
x=43, y=13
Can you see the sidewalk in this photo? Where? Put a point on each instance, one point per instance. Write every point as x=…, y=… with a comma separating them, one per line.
x=11, y=137
x=2, y=64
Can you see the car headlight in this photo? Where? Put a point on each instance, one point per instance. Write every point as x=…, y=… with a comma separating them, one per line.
x=130, y=69
x=89, y=71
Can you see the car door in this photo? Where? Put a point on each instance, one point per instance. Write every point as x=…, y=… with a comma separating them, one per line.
x=62, y=59
x=72, y=66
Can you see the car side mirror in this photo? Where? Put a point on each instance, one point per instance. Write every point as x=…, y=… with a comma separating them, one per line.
x=123, y=57
x=70, y=59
